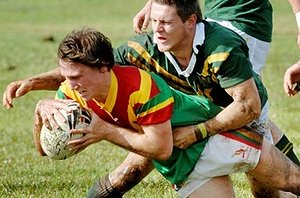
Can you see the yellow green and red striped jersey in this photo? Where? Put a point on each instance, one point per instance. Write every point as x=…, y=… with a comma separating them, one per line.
x=135, y=98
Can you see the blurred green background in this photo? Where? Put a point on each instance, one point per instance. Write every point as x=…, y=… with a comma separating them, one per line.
x=30, y=31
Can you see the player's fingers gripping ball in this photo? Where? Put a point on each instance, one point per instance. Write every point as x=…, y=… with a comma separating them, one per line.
x=54, y=141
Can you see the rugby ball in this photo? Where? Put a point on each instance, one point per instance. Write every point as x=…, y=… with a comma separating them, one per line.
x=54, y=142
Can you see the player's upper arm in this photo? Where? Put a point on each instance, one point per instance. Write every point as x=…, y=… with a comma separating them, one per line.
x=160, y=139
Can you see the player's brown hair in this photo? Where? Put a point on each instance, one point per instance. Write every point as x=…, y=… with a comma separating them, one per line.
x=87, y=46
x=185, y=8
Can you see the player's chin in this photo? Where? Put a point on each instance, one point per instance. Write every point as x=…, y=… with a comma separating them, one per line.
x=85, y=96
x=162, y=47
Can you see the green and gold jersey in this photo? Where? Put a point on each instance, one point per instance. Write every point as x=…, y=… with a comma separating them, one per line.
x=222, y=62
x=253, y=17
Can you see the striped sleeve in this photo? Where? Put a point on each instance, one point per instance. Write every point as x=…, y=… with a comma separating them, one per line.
x=159, y=107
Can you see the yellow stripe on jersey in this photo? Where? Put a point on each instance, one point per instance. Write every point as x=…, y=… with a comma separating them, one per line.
x=71, y=94
x=218, y=57
x=145, y=85
x=112, y=94
x=145, y=89
x=140, y=50
x=158, y=107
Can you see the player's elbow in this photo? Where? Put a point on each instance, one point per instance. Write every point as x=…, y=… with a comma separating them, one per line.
x=164, y=153
x=256, y=113
x=253, y=109
x=161, y=141
x=160, y=150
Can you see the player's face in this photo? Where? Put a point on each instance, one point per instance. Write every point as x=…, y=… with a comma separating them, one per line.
x=85, y=80
x=169, y=30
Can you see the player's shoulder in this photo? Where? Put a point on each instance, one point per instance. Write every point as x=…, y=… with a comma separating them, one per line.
x=219, y=38
x=215, y=32
x=123, y=69
x=145, y=38
x=129, y=72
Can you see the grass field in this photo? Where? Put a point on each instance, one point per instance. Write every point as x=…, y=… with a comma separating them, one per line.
x=25, y=50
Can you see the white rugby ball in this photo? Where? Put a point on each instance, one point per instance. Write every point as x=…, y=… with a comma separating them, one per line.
x=54, y=142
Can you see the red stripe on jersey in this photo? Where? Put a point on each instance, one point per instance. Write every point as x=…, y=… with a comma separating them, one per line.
x=104, y=115
x=154, y=89
x=125, y=89
x=152, y=118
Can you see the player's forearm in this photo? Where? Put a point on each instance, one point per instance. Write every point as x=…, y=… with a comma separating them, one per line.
x=234, y=116
x=148, y=144
x=246, y=107
x=147, y=6
x=46, y=81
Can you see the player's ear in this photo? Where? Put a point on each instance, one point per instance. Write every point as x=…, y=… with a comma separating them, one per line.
x=192, y=20
x=103, y=69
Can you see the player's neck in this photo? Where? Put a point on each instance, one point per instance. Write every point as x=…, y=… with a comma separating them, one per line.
x=184, y=53
x=183, y=58
x=104, y=87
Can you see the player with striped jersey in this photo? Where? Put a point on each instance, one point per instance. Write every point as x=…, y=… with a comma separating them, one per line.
x=135, y=98
x=137, y=111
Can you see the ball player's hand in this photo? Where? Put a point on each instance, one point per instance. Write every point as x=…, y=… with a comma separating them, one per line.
x=183, y=137
x=46, y=109
x=38, y=123
x=92, y=134
x=142, y=18
x=14, y=90
x=44, y=115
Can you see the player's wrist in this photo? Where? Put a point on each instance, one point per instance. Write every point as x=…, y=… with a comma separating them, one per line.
x=200, y=131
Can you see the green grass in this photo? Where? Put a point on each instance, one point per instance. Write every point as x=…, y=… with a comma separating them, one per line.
x=23, y=52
